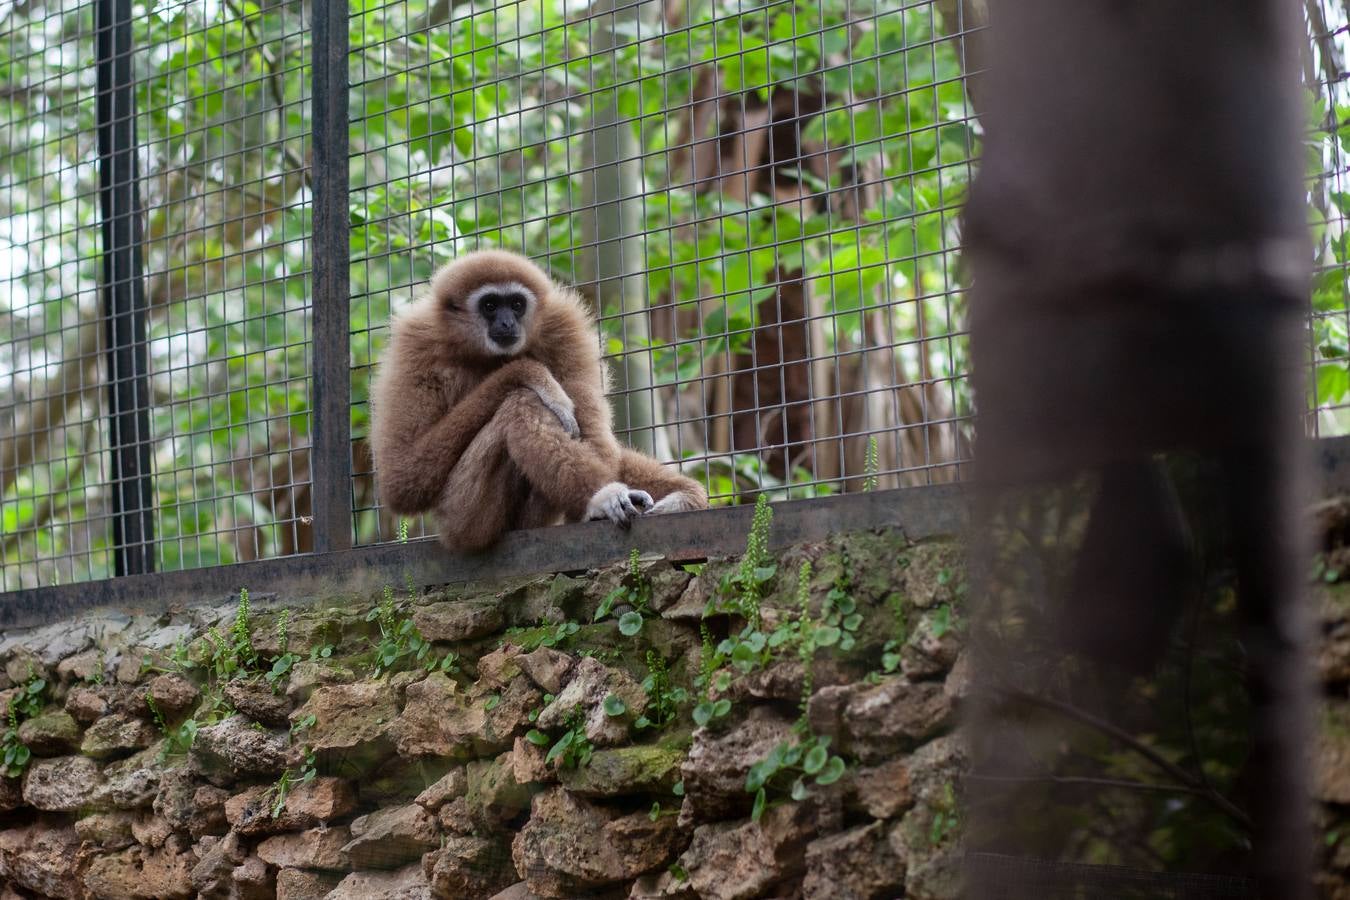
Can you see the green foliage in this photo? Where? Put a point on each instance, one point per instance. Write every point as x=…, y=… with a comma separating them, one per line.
x=740, y=474
x=706, y=710
x=710, y=679
x=890, y=656
x=839, y=620
x=230, y=655
x=890, y=651
x=741, y=592
x=791, y=768
x=1323, y=572
x=871, y=465
x=534, y=713
x=400, y=644
x=97, y=676
x=837, y=626
x=664, y=700
x=290, y=778
x=529, y=639
x=180, y=656
x=634, y=590
x=942, y=620
x=178, y=740
x=240, y=634
x=282, y=665
x=946, y=816
x=630, y=623
x=806, y=650
x=757, y=567
x=28, y=702
x=14, y=754
x=572, y=749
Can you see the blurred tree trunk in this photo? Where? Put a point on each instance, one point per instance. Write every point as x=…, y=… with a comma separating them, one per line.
x=1140, y=256
x=612, y=260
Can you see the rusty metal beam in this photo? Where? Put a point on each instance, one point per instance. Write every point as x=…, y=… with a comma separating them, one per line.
x=920, y=512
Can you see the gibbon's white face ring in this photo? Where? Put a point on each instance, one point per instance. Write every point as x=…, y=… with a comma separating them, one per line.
x=502, y=289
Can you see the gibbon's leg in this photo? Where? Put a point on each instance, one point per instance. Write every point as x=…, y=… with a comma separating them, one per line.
x=535, y=511
x=568, y=475
x=521, y=470
x=673, y=492
x=482, y=497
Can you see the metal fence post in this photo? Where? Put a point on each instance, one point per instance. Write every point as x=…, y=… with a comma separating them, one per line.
x=124, y=295
x=331, y=463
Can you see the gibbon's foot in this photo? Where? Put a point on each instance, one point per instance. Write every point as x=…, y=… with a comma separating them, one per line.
x=619, y=503
x=673, y=503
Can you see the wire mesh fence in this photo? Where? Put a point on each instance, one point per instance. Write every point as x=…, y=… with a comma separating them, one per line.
x=1325, y=75
x=761, y=201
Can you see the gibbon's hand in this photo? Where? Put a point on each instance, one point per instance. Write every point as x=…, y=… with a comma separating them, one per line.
x=558, y=403
x=619, y=503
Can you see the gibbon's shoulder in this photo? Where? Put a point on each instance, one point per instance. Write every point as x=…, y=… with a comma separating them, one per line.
x=418, y=333
x=567, y=332
x=419, y=316
x=567, y=309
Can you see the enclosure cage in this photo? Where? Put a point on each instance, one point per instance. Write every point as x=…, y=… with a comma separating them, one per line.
x=208, y=211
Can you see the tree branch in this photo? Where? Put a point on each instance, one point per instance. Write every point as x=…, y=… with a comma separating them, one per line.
x=1180, y=775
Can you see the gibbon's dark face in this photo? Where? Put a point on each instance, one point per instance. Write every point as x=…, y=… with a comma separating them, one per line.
x=502, y=309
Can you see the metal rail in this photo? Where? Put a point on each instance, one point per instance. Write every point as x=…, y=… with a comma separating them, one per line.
x=330, y=348
x=124, y=300
x=920, y=512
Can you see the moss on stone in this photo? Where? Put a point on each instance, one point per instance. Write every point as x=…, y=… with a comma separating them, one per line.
x=624, y=771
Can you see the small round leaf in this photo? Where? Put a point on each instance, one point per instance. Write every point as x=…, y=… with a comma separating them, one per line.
x=815, y=760
x=630, y=623
x=834, y=770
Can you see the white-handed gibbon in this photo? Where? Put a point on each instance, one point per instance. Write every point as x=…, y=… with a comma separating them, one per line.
x=489, y=409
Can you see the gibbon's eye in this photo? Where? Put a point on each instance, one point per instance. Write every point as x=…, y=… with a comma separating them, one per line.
x=489, y=305
x=517, y=305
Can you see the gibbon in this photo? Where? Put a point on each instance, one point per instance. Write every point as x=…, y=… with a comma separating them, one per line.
x=488, y=408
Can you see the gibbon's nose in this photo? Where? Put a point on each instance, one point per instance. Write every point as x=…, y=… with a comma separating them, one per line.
x=504, y=334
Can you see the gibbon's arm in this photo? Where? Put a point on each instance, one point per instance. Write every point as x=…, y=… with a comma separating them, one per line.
x=417, y=441
x=594, y=418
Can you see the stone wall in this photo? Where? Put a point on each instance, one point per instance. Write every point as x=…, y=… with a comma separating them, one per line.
x=1331, y=603
x=498, y=740
x=564, y=736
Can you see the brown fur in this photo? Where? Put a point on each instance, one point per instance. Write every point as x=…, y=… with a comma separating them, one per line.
x=462, y=431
